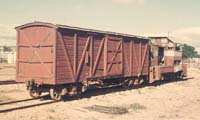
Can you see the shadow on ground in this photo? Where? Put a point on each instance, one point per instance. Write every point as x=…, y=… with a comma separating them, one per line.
x=95, y=92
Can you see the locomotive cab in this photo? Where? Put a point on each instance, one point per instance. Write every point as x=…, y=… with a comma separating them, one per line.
x=166, y=60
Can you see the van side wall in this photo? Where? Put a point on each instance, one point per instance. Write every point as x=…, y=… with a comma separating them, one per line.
x=81, y=55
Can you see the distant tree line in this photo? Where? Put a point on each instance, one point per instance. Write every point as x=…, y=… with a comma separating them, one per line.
x=7, y=49
x=189, y=52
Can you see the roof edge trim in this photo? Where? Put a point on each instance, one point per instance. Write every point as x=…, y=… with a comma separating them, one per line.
x=36, y=23
x=57, y=26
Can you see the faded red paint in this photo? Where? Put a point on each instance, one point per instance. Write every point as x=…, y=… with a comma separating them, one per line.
x=67, y=55
x=171, y=65
x=35, y=53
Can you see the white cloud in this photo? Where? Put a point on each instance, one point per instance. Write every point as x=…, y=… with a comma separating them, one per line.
x=198, y=50
x=7, y=42
x=7, y=35
x=129, y=1
x=7, y=30
x=154, y=34
x=190, y=36
x=188, y=31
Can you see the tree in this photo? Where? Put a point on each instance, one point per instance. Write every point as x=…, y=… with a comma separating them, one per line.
x=189, y=52
x=7, y=49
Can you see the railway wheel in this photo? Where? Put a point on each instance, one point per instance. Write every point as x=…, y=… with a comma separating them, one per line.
x=127, y=84
x=55, y=94
x=181, y=75
x=34, y=93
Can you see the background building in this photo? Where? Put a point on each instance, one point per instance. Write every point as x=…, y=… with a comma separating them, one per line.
x=8, y=54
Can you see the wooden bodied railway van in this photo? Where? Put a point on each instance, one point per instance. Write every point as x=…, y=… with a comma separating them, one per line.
x=73, y=58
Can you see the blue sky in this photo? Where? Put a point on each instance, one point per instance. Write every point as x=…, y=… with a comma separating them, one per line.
x=140, y=17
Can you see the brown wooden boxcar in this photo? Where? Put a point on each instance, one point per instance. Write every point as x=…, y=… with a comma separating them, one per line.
x=66, y=60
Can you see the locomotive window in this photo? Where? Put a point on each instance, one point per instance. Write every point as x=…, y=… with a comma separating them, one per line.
x=161, y=55
x=177, y=62
x=178, y=47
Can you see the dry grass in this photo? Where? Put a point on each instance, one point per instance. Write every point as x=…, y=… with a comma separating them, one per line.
x=91, y=118
x=4, y=98
x=115, y=109
x=51, y=118
x=10, y=91
x=52, y=110
x=136, y=106
x=107, y=109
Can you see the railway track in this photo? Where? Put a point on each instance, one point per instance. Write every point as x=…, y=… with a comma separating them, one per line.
x=8, y=82
x=25, y=103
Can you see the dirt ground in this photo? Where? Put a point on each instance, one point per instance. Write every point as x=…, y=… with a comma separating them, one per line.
x=166, y=101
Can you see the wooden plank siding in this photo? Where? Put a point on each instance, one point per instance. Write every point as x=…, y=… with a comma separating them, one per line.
x=99, y=56
x=56, y=54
